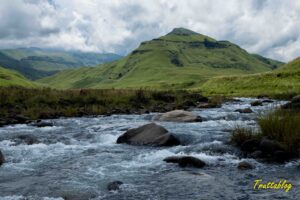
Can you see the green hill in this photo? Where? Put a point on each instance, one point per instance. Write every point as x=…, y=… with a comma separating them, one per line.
x=35, y=63
x=12, y=78
x=178, y=60
x=282, y=82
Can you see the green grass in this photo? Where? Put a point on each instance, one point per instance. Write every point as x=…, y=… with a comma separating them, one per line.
x=51, y=103
x=12, y=78
x=283, y=82
x=280, y=125
x=180, y=60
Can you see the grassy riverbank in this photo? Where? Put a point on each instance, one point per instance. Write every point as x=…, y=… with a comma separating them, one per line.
x=281, y=126
x=51, y=103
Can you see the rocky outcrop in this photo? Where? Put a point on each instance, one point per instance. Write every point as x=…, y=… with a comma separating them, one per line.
x=245, y=166
x=184, y=161
x=113, y=186
x=246, y=110
x=149, y=134
x=2, y=160
x=178, y=116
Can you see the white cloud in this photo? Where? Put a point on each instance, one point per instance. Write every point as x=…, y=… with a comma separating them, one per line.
x=267, y=27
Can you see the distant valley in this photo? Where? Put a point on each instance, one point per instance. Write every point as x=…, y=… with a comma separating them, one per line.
x=36, y=63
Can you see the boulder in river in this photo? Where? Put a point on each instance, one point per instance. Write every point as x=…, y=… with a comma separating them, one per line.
x=184, y=161
x=245, y=165
x=115, y=185
x=2, y=160
x=269, y=146
x=178, y=116
x=250, y=145
x=245, y=110
x=256, y=103
x=149, y=134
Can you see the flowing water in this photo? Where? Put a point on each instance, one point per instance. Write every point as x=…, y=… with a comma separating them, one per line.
x=78, y=157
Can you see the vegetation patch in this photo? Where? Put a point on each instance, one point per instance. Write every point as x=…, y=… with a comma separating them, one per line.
x=277, y=139
x=50, y=103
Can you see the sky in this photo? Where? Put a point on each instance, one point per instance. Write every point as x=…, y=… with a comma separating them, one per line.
x=267, y=27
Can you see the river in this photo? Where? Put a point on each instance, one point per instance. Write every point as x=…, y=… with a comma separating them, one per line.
x=78, y=157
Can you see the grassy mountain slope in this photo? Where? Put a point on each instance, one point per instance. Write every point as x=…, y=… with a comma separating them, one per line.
x=12, y=78
x=22, y=67
x=178, y=60
x=36, y=63
x=281, y=82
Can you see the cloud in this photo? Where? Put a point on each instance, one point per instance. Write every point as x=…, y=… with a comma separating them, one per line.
x=267, y=27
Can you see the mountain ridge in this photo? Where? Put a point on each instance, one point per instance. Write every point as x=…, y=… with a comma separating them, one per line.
x=181, y=59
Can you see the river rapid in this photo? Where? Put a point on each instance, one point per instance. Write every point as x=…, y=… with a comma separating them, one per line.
x=78, y=157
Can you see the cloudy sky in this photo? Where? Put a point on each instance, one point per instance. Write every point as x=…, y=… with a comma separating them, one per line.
x=267, y=27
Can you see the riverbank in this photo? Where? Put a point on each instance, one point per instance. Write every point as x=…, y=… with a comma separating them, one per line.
x=22, y=105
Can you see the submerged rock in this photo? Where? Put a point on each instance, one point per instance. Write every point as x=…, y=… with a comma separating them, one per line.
x=208, y=105
x=178, y=116
x=246, y=110
x=184, y=161
x=2, y=160
x=115, y=185
x=256, y=103
x=149, y=134
x=267, y=101
x=42, y=124
x=245, y=165
x=27, y=139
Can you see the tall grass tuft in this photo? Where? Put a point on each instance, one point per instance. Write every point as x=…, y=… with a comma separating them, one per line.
x=241, y=134
x=282, y=126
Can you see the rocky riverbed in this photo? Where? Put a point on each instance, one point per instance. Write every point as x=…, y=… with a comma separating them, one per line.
x=79, y=158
